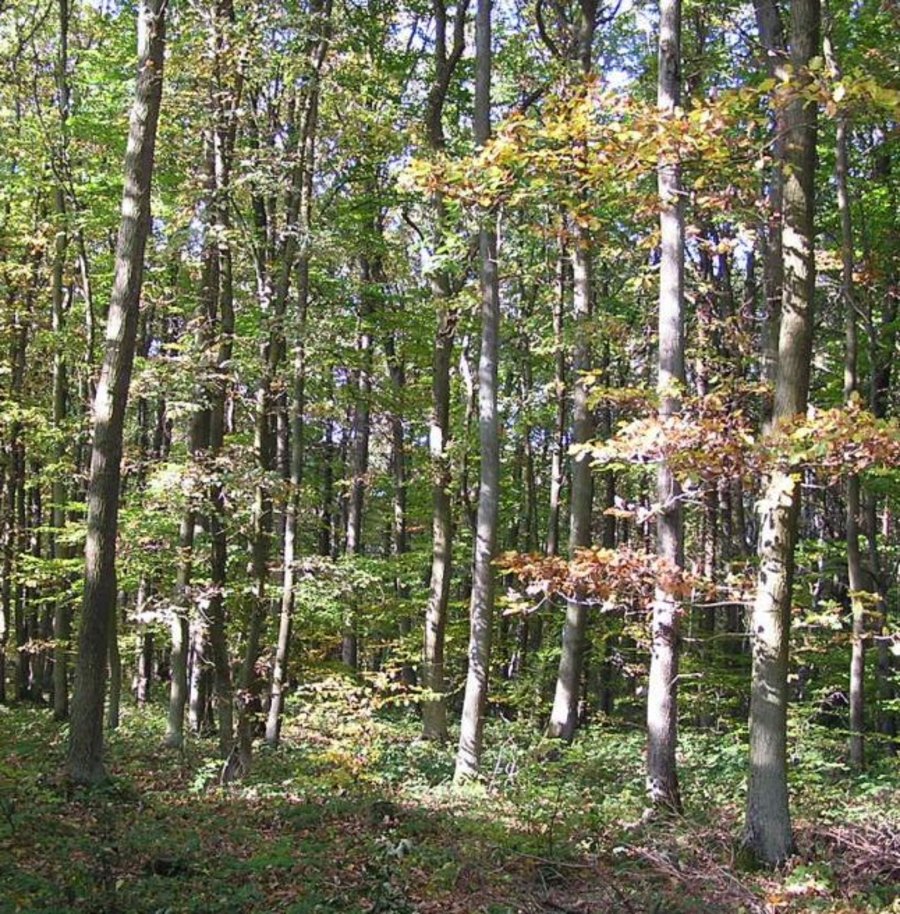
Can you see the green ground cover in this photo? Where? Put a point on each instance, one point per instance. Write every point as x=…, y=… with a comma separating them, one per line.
x=355, y=814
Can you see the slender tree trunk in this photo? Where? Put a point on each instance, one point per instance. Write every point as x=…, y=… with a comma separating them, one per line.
x=145, y=646
x=180, y=631
x=768, y=823
x=306, y=172
x=771, y=37
x=359, y=460
x=85, y=758
x=18, y=533
x=221, y=322
x=434, y=712
x=855, y=574
x=662, y=709
x=62, y=616
x=559, y=380
x=481, y=609
x=564, y=715
x=114, y=702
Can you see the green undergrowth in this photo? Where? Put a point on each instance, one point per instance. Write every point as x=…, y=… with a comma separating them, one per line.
x=354, y=813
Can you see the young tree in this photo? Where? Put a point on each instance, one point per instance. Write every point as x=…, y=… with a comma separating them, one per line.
x=662, y=711
x=481, y=609
x=768, y=822
x=434, y=713
x=85, y=756
x=308, y=105
x=62, y=621
x=579, y=47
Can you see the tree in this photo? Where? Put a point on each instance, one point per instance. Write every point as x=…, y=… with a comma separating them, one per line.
x=662, y=711
x=320, y=21
x=85, y=756
x=768, y=823
x=468, y=758
x=564, y=715
x=434, y=712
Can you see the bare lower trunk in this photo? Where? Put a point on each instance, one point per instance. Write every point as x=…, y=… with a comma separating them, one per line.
x=768, y=823
x=180, y=632
x=557, y=457
x=662, y=710
x=434, y=713
x=85, y=758
x=855, y=575
x=114, y=702
x=771, y=38
x=62, y=615
x=481, y=609
x=564, y=715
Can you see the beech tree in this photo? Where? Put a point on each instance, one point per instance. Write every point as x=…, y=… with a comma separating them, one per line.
x=662, y=711
x=481, y=609
x=85, y=759
x=768, y=816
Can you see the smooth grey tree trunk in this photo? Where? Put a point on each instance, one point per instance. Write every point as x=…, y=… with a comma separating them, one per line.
x=481, y=609
x=62, y=613
x=768, y=822
x=662, y=709
x=309, y=116
x=771, y=39
x=557, y=458
x=434, y=713
x=564, y=714
x=370, y=274
x=856, y=578
x=221, y=321
x=85, y=756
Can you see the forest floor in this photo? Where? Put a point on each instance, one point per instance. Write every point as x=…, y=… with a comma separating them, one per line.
x=354, y=814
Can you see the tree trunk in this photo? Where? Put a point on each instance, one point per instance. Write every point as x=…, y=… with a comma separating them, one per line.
x=359, y=462
x=481, y=609
x=768, y=823
x=180, y=631
x=114, y=703
x=144, y=676
x=62, y=615
x=434, y=712
x=85, y=757
x=564, y=715
x=662, y=710
x=771, y=38
x=856, y=579
x=559, y=381
x=305, y=175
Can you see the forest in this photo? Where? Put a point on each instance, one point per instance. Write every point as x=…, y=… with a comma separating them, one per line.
x=449, y=457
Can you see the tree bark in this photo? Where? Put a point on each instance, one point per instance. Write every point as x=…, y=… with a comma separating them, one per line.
x=309, y=116
x=662, y=710
x=221, y=321
x=481, y=608
x=62, y=614
x=564, y=714
x=768, y=824
x=856, y=578
x=771, y=38
x=434, y=712
x=85, y=756
x=559, y=382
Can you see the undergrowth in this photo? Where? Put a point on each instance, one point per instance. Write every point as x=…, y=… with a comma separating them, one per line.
x=355, y=813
